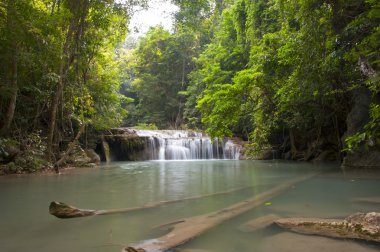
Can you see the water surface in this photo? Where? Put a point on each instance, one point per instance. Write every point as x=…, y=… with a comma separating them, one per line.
x=25, y=224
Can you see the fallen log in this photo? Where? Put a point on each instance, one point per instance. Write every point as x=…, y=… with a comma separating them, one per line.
x=259, y=223
x=189, y=228
x=370, y=200
x=363, y=226
x=65, y=211
x=191, y=250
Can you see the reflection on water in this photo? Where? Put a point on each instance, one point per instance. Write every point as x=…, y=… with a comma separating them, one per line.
x=26, y=225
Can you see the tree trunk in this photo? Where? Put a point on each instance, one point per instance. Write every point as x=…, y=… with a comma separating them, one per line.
x=75, y=32
x=8, y=118
x=63, y=69
x=293, y=148
x=9, y=114
x=64, y=211
x=70, y=148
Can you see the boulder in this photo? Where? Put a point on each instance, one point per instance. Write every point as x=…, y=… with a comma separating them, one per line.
x=362, y=159
x=327, y=155
x=266, y=155
x=95, y=158
x=79, y=157
x=356, y=120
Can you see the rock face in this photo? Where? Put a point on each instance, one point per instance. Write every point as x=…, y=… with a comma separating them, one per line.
x=362, y=159
x=356, y=119
x=363, y=226
x=359, y=114
x=126, y=147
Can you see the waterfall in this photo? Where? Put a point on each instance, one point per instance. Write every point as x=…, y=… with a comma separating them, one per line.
x=186, y=145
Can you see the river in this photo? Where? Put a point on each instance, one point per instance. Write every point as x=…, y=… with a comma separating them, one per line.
x=26, y=225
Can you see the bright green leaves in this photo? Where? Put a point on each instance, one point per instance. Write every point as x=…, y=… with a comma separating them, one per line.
x=370, y=136
x=160, y=65
x=72, y=41
x=284, y=65
x=220, y=109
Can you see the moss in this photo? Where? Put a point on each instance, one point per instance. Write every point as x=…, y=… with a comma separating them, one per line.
x=126, y=147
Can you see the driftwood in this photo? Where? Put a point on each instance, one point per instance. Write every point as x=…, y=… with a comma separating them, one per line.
x=189, y=228
x=64, y=211
x=259, y=223
x=357, y=226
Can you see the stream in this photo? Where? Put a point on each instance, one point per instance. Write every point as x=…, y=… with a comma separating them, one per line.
x=26, y=225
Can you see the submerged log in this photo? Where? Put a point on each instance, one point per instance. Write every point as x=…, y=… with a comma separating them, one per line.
x=259, y=223
x=65, y=211
x=191, y=250
x=363, y=226
x=189, y=228
x=370, y=200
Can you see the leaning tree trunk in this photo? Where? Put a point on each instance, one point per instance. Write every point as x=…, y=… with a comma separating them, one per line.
x=70, y=148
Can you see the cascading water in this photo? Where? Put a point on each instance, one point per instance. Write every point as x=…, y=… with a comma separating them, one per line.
x=181, y=145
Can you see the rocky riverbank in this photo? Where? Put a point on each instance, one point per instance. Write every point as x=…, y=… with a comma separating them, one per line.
x=29, y=157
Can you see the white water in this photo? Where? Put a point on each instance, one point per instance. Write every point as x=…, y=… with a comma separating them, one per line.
x=186, y=145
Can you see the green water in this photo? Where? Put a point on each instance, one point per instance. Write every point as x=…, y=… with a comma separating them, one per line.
x=25, y=224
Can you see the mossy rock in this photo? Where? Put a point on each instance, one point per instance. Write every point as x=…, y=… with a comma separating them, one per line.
x=126, y=147
x=78, y=158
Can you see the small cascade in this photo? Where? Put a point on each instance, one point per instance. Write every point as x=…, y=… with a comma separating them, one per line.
x=186, y=145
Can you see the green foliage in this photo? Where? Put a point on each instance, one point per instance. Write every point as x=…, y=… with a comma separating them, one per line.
x=160, y=66
x=370, y=136
x=71, y=44
x=251, y=68
x=144, y=126
x=286, y=65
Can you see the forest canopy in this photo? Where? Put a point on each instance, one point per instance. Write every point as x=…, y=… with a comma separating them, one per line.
x=269, y=71
x=296, y=75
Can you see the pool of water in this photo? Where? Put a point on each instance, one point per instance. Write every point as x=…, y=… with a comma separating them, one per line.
x=26, y=225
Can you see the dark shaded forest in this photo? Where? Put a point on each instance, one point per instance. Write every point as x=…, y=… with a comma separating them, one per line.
x=298, y=77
